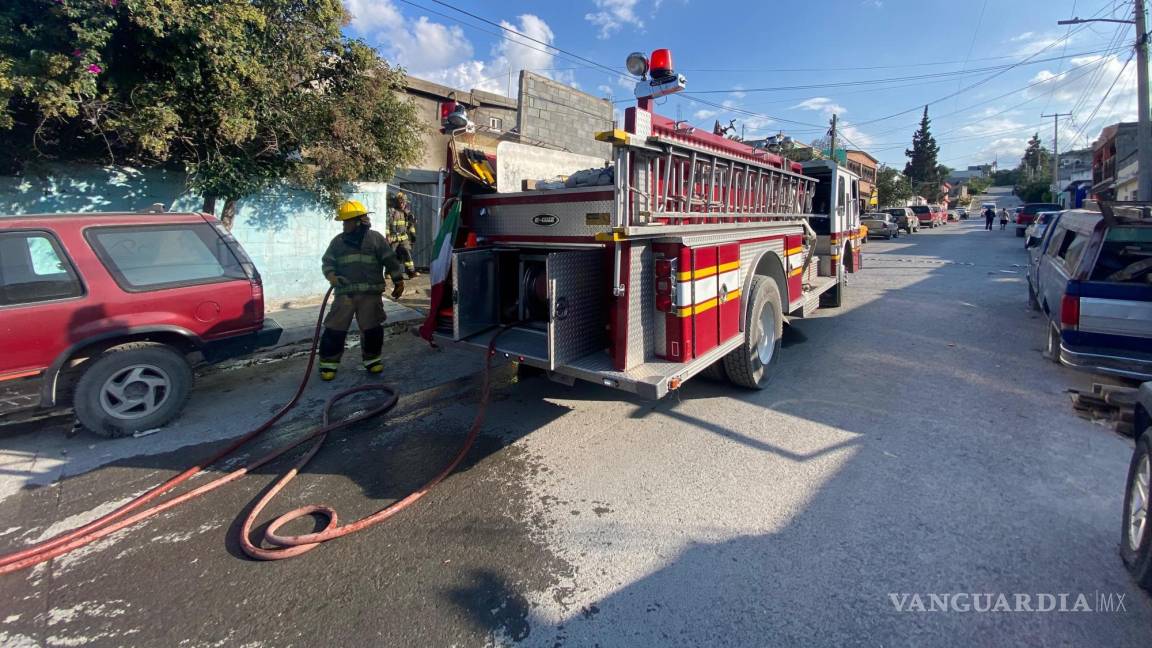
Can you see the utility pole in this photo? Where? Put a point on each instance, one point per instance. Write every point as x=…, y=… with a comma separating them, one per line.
x=1144, y=119
x=832, y=141
x=1055, y=151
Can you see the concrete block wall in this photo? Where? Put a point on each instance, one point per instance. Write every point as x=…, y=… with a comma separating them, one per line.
x=284, y=231
x=559, y=115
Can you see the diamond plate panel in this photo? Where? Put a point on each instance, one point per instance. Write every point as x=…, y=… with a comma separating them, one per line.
x=576, y=285
x=641, y=305
x=575, y=218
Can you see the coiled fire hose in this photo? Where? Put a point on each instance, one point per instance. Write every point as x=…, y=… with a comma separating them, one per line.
x=284, y=546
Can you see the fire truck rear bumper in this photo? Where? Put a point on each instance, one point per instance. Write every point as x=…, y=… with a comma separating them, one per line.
x=651, y=380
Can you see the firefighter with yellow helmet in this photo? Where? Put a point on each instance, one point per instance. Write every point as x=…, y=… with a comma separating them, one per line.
x=402, y=232
x=354, y=265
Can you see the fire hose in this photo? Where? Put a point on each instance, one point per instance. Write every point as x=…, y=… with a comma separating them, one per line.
x=284, y=546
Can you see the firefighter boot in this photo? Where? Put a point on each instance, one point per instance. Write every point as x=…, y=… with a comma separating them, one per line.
x=331, y=348
x=371, y=343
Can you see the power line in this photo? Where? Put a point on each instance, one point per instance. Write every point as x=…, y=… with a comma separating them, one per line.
x=933, y=75
x=978, y=83
x=1092, y=116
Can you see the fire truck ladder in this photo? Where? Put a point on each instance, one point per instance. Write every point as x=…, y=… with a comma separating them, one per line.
x=667, y=183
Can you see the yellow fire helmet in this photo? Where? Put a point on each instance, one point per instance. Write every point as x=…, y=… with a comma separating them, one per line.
x=350, y=209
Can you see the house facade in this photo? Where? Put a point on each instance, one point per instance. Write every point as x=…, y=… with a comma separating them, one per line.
x=1112, y=154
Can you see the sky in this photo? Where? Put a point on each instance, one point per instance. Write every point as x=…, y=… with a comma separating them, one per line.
x=986, y=69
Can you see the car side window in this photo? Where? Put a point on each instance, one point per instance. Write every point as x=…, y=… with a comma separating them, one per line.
x=1055, y=244
x=34, y=268
x=1073, y=250
x=164, y=256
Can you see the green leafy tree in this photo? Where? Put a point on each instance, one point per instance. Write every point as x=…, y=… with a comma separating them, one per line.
x=977, y=186
x=922, y=167
x=240, y=94
x=892, y=188
x=1037, y=160
x=1005, y=178
x=1035, y=191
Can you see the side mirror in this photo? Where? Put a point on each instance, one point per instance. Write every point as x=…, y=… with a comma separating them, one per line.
x=1032, y=242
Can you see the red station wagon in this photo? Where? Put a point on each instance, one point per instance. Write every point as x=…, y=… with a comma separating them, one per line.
x=107, y=312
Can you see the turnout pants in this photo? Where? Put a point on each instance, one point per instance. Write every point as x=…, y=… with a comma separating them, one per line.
x=368, y=310
x=404, y=254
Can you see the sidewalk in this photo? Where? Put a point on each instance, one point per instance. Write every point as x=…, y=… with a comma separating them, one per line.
x=299, y=319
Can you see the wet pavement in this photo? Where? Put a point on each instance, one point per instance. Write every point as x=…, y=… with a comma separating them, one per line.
x=914, y=441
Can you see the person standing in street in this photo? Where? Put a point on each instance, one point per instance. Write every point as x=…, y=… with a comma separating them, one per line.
x=989, y=216
x=1003, y=218
x=402, y=232
x=354, y=266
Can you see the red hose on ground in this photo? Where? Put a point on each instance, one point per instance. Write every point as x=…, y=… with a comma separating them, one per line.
x=290, y=545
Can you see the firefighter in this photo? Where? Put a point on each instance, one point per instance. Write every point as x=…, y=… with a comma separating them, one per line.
x=402, y=232
x=354, y=265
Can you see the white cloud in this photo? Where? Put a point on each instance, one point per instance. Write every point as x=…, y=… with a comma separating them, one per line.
x=443, y=54
x=1078, y=93
x=1030, y=43
x=992, y=125
x=613, y=15
x=1005, y=150
x=738, y=92
x=822, y=105
x=875, y=4
x=605, y=90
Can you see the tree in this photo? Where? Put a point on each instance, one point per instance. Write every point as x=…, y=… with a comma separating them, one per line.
x=892, y=188
x=977, y=186
x=1005, y=177
x=1037, y=160
x=922, y=168
x=240, y=94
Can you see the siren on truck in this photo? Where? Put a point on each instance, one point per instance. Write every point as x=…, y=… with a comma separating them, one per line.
x=664, y=79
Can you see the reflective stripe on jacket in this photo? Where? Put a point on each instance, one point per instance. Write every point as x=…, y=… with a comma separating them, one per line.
x=362, y=267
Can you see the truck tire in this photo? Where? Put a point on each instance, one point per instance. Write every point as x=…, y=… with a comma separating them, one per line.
x=715, y=372
x=834, y=297
x=131, y=388
x=1052, y=350
x=1136, y=530
x=1033, y=303
x=752, y=364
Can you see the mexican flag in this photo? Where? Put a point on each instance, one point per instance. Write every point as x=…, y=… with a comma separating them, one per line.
x=441, y=265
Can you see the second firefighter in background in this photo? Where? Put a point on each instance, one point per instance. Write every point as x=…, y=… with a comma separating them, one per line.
x=402, y=232
x=354, y=265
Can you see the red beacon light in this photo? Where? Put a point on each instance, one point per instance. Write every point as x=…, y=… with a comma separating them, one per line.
x=661, y=64
x=664, y=80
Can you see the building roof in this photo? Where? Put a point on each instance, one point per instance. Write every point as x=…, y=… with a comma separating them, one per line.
x=470, y=98
x=865, y=154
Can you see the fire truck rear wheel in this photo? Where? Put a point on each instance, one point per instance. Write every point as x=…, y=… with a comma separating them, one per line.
x=752, y=364
x=834, y=296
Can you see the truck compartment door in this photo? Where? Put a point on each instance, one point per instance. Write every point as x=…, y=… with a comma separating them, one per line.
x=474, y=293
x=576, y=303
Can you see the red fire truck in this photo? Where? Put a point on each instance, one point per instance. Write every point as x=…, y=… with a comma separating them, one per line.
x=688, y=256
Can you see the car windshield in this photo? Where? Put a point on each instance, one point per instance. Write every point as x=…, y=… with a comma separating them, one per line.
x=1034, y=209
x=921, y=209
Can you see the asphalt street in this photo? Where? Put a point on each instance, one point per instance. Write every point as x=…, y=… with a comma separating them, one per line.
x=914, y=441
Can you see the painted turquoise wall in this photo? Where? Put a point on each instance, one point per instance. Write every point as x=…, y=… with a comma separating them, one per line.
x=284, y=231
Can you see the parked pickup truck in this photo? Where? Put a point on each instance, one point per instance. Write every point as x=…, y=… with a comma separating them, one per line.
x=1092, y=277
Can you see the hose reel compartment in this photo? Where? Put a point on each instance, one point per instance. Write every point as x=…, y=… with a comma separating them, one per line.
x=554, y=302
